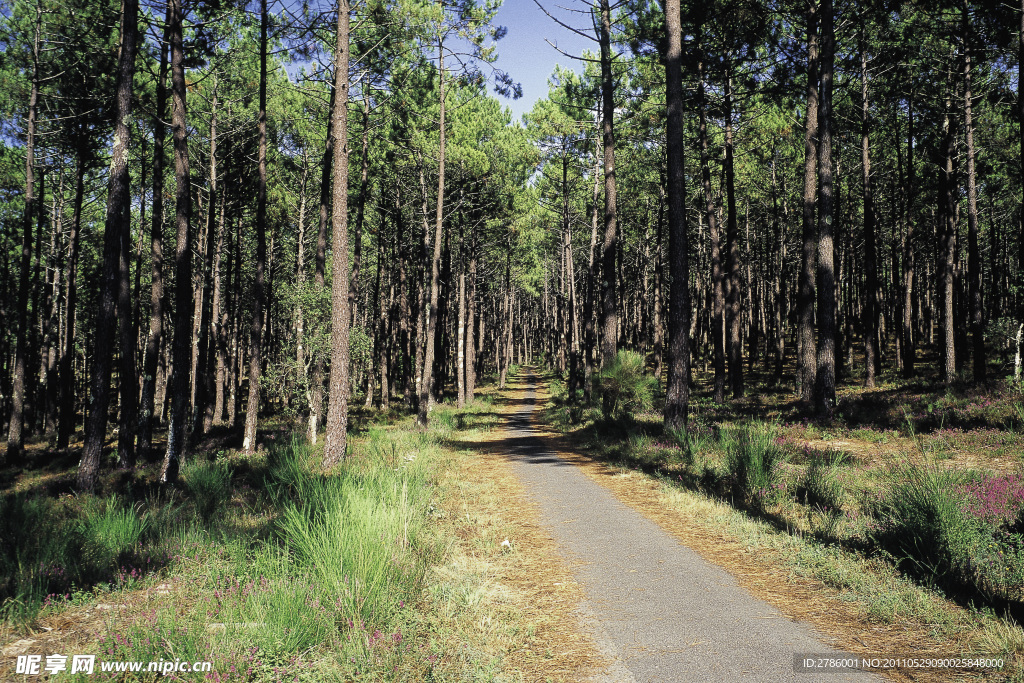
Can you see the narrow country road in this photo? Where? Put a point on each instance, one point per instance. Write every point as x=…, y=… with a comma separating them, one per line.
x=656, y=609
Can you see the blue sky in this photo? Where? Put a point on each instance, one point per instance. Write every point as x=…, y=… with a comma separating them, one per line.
x=524, y=52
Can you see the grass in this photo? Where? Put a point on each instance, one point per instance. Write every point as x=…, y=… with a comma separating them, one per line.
x=908, y=522
x=378, y=570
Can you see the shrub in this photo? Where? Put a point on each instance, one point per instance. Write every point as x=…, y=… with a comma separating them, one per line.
x=955, y=527
x=753, y=461
x=626, y=387
x=820, y=485
x=113, y=532
x=209, y=484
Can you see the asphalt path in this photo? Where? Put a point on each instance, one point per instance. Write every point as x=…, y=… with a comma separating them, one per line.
x=657, y=610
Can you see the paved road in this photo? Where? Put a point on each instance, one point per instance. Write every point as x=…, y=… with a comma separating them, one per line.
x=657, y=610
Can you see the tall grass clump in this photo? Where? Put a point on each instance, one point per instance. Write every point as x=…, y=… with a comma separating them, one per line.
x=626, y=387
x=112, y=532
x=38, y=554
x=48, y=548
x=956, y=528
x=753, y=461
x=208, y=484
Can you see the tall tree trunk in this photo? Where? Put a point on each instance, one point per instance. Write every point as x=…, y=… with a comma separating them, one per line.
x=1020, y=133
x=677, y=393
x=214, y=413
x=806, y=362
x=203, y=377
x=14, y=433
x=973, y=250
x=907, y=345
x=591, y=302
x=609, y=308
x=471, y=317
x=826, y=379
x=337, y=411
x=177, y=436
x=252, y=410
x=947, y=245
x=427, y=386
x=156, y=318
x=711, y=213
x=870, y=318
x=316, y=380
x=732, y=254
x=66, y=425
x=116, y=234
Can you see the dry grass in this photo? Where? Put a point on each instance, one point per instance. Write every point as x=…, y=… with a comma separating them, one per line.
x=697, y=522
x=540, y=594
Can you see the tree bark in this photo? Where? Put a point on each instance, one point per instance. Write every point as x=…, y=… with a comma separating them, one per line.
x=732, y=255
x=252, y=410
x=677, y=393
x=826, y=360
x=15, y=443
x=427, y=386
x=973, y=250
x=806, y=362
x=156, y=317
x=177, y=437
x=116, y=233
x=711, y=214
x=870, y=318
x=907, y=345
x=66, y=425
x=947, y=246
x=316, y=380
x=337, y=412
x=609, y=307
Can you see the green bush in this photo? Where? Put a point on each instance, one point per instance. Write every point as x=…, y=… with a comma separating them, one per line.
x=209, y=484
x=820, y=486
x=112, y=532
x=923, y=522
x=753, y=461
x=625, y=386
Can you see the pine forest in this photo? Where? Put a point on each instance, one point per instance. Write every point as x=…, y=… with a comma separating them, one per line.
x=273, y=276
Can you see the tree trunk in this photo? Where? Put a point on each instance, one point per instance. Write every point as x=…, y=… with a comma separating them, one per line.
x=947, y=246
x=973, y=252
x=590, y=303
x=711, y=213
x=609, y=309
x=177, y=436
x=203, y=377
x=252, y=410
x=732, y=254
x=14, y=433
x=870, y=318
x=806, y=362
x=907, y=345
x=116, y=234
x=677, y=393
x=470, y=318
x=156, y=318
x=337, y=412
x=316, y=380
x=427, y=386
x=826, y=379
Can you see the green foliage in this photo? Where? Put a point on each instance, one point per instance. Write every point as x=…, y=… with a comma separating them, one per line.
x=821, y=486
x=753, y=461
x=935, y=523
x=209, y=486
x=626, y=386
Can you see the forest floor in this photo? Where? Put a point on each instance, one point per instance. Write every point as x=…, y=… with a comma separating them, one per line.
x=811, y=551
x=502, y=593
